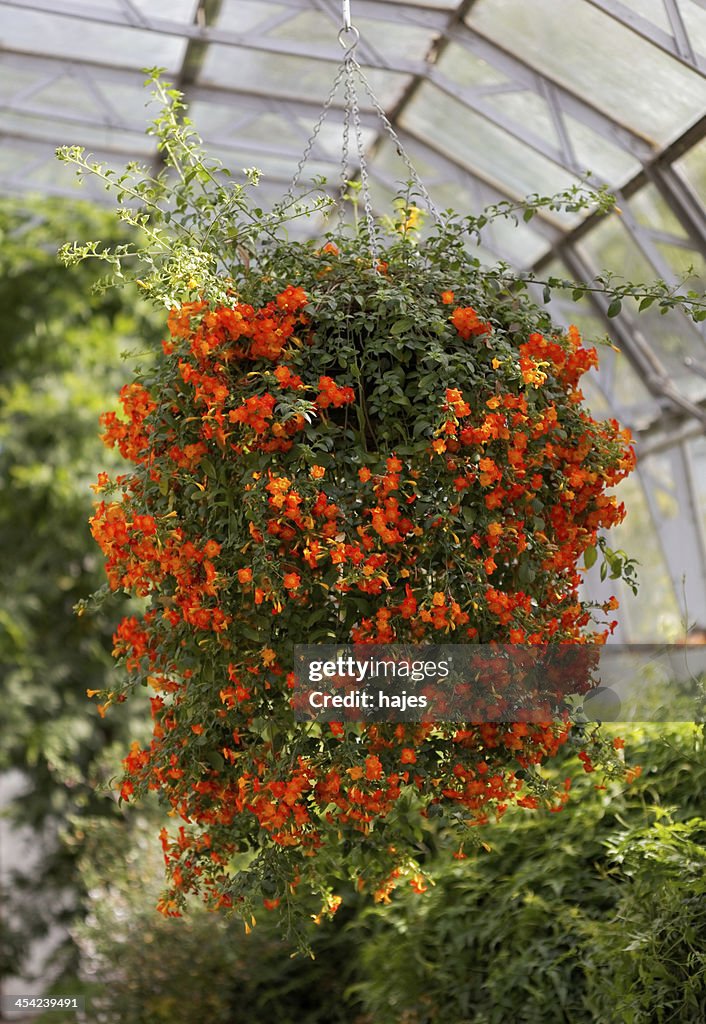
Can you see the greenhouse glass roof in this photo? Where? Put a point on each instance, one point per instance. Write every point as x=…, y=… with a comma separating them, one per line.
x=491, y=99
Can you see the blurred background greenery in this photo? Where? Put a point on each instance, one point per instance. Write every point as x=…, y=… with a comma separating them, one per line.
x=597, y=913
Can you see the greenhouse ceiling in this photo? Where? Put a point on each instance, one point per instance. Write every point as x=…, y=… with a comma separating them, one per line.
x=491, y=100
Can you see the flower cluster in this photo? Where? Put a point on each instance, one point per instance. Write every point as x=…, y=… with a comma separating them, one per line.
x=355, y=456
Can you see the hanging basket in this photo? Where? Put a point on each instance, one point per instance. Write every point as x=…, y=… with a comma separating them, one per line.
x=366, y=438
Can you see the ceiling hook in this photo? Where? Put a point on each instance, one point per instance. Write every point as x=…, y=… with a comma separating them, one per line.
x=348, y=38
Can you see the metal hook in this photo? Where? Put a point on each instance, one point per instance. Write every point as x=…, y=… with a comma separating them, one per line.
x=344, y=38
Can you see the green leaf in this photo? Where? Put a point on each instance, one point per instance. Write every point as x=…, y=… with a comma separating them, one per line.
x=614, y=308
x=401, y=326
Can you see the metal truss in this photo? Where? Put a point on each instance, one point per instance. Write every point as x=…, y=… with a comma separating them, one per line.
x=668, y=483
x=676, y=43
x=561, y=102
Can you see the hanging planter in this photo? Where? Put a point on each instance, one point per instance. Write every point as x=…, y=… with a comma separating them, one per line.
x=367, y=438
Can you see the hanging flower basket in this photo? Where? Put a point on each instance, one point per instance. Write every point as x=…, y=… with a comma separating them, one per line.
x=340, y=442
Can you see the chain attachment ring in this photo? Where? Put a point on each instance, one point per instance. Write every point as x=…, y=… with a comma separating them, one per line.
x=344, y=38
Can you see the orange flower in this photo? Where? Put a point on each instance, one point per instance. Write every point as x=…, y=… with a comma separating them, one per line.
x=455, y=402
x=364, y=475
x=408, y=756
x=331, y=394
x=292, y=299
x=468, y=324
x=244, y=575
x=316, y=472
x=292, y=581
x=447, y=298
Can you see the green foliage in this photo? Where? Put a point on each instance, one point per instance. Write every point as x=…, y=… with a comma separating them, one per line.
x=198, y=224
x=594, y=914
x=648, y=961
x=58, y=366
x=138, y=967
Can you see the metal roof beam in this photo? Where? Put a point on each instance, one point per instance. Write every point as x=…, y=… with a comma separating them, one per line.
x=679, y=529
x=635, y=347
x=264, y=102
x=207, y=34
x=560, y=99
x=677, y=45
x=680, y=197
x=525, y=75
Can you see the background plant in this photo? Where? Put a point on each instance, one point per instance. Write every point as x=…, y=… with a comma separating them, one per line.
x=59, y=366
x=592, y=914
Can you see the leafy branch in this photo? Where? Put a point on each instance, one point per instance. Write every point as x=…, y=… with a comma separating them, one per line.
x=597, y=199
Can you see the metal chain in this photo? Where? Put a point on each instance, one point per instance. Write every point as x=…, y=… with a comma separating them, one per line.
x=348, y=38
x=351, y=65
x=289, y=194
x=398, y=144
x=344, y=155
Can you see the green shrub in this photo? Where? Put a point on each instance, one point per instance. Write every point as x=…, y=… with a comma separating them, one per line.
x=648, y=961
x=540, y=930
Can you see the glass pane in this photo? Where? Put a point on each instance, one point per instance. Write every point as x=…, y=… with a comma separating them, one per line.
x=405, y=42
x=697, y=454
x=671, y=337
x=597, y=155
x=652, y=616
x=693, y=167
x=252, y=71
x=464, y=68
x=599, y=58
x=653, y=10
x=695, y=22
x=448, y=5
x=80, y=39
x=124, y=146
x=175, y=10
x=246, y=15
x=477, y=144
x=649, y=207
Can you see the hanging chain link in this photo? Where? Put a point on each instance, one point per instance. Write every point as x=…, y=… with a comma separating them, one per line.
x=349, y=70
x=344, y=176
x=351, y=91
x=289, y=194
x=387, y=125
